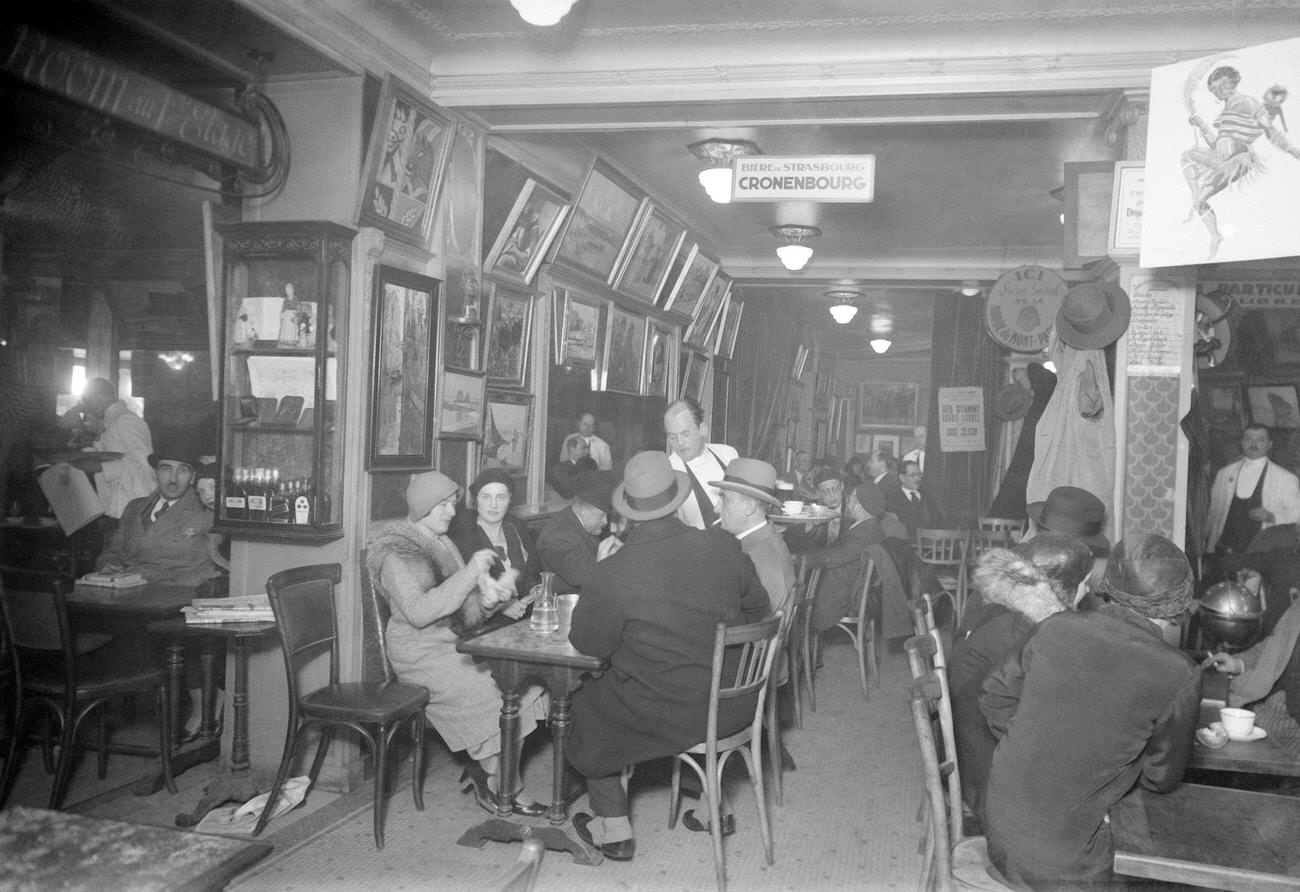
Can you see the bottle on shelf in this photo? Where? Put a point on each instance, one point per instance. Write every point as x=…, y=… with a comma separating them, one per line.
x=258, y=503
x=235, y=499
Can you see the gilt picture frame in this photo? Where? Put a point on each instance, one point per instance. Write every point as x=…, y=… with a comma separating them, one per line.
x=508, y=337
x=624, y=352
x=403, y=381
x=887, y=404
x=508, y=428
x=696, y=274
x=660, y=360
x=655, y=242
x=536, y=217
x=406, y=162
x=598, y=226
x=460, y=405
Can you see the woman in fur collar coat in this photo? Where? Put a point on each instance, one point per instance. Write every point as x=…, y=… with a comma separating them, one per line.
x=1021, y=588
x=430, y=589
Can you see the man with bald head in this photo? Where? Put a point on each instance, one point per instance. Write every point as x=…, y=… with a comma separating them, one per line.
x=597, y=448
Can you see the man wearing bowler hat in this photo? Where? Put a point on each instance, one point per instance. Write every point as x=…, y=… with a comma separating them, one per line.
x=164, y=536
x=1073, y=512
x=569, y=544
x=651, y=610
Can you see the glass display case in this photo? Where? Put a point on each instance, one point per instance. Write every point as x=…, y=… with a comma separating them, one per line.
x=283, y=284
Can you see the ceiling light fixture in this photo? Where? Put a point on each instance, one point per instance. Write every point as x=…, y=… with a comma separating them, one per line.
x=719, y=153
x=970, y=289
x=542, y=13
x=844, y=304
x=880, y=345
x=793, y=252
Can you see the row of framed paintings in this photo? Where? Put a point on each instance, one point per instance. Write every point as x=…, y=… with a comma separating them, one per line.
x=1272, y=405
x=627, y=352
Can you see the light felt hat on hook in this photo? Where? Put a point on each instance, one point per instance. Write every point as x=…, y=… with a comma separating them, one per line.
x=1093, y=315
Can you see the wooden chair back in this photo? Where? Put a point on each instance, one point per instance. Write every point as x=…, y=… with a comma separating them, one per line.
x=1011, y=527
x=942, y=549
x=302, y=599
x=375, y=612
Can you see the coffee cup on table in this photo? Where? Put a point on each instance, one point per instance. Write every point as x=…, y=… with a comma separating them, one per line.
x=1239, y=723
x=793, y=506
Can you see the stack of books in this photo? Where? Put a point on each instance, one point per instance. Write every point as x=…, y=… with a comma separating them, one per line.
x=236, y=609
x=113, y=580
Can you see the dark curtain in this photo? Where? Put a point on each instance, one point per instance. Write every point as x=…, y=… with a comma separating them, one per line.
x=760, y=372
x=961, y=479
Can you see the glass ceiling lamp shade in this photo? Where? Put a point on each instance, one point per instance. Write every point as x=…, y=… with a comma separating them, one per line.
x=793, y=252
x=843, y=305
x=542, y=13
x=719, y=153
x=970, y=288
x=880, y=345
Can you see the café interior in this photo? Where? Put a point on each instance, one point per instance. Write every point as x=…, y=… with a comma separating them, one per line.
x=492, y=222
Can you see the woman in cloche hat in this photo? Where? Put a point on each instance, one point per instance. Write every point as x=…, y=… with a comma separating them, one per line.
x=417, y=569
x=488, y=524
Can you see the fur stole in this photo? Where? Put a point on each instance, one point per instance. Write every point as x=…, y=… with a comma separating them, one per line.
x=1003, y=577
x=410, y=541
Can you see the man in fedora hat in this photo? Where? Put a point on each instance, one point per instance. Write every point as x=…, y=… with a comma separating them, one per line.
x=164, y=536
x=1249, y=495
x=748, y=494
x=651, y=610
x=569, y=544
x=1094, y=703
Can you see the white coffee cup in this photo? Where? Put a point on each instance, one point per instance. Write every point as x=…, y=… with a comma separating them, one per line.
x=1239, y=723
x=793, y=506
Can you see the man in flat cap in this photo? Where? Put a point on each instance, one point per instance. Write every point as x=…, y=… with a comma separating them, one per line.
x=570, y=543
x=1095, y=703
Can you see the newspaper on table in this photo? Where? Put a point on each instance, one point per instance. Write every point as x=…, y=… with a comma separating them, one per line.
x=236, y=609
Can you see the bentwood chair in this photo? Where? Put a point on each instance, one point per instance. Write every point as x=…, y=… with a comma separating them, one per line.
x=803, y=662
x=50, y=678
x=1012, y=528
x=744, y=655
x=950, y=859
x=522, y=876
x=783, y=673
x=944, y=553
x=861, y=628
x=303, y=602
x=981, y=541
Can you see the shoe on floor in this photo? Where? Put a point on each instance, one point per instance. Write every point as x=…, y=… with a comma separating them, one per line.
x=693, y=823
x=623, y=850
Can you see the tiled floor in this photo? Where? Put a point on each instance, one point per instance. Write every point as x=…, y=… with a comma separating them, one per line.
x=848, y=820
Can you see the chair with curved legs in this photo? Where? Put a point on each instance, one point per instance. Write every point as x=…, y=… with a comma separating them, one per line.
x=803, y=653
x=51, y=679
x=944, y=553
x=1010, y=527
x=754, y=648
x=303, y=602
x=861, y=628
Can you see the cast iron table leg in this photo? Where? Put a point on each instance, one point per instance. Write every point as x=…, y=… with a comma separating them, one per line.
x=210, y=746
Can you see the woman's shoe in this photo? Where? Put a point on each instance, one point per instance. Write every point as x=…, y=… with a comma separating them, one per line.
x=475, y=780
x=690, y=822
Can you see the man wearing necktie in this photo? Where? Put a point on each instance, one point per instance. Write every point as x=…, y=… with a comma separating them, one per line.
x=164, y=536
x=914, y=507
x=703, y=462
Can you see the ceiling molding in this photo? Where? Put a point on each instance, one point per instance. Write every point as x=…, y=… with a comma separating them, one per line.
x=976, y=74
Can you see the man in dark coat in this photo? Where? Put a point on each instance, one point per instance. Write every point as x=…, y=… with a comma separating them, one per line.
x=915, y=507
x=1094, y=703
x=651, y=610
x=841, y=563
x=568, y=544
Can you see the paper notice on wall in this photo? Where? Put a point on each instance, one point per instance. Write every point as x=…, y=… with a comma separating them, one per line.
x=961, y=419
x=71, y=496
x=1155, y=329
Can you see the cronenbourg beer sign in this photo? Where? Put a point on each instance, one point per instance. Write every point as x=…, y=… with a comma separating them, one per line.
x=809, y=178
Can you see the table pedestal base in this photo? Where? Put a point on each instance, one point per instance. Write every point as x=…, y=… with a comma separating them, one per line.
x=182, y=760
x=557, y=839
x=226, y=787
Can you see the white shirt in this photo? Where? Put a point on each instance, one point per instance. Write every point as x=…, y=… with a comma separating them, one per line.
x=1248, y=476
x=707, y=468
x=129, y=477
x=599, y=452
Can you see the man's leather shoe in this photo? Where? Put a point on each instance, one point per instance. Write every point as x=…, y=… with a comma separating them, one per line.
x=623, y=850
x=693, y=823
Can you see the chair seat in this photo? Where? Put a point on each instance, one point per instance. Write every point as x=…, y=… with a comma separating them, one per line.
x=740, y=738
x=366, y=701
x=100, y=673
x=971, y=867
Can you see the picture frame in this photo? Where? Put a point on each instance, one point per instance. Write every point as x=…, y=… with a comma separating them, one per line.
x=800, y=362
x=507, y=431
x=1125, y=235
x=461, y=405
x=596, y=232
x=624, y=352
x=406, y=162
x=1225, y=408
x=660, y=360
x=706, y=311
x=402, y=381
x=1274, y=405
x=887, y=404
x=531, y=226
x=731, y=328
x=696, y=274
x=462, y=341
x=881, y=442
x=582, y=330
x=461, y=217
x=862, y=444
x=714, y=338
x=654, y=244
x=1088, y=188
x=508, y=337
x=696, y=364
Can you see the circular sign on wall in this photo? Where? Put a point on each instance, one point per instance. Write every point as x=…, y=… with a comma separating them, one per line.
x=1021, y=308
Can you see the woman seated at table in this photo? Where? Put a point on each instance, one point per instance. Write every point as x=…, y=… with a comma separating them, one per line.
x=430, y=589
x=1260, y=672
x=489, y=525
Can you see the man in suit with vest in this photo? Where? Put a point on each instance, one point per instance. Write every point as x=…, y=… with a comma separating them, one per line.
x=1249, y=495
x=912, y=505
x=702, y=462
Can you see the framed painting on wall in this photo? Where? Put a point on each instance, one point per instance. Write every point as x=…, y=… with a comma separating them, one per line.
x=506, y=341
x=730, y=328
x=696, y=274
x=1274, y=406
x=507, y=430
x=529, y=229
x=887, y=404
x=460, y=411
x=599, y=223
x=660, y=358
x=405, y=163
x=707, y=310
x=697, y=367
x=862, y=444
x=402, y=380
x=886, y=443
x=581, y=330
x=624, y=352
x=1225, y=408
x=653, y=247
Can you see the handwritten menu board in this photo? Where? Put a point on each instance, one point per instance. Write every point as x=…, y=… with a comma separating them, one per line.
x=1156, y=327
